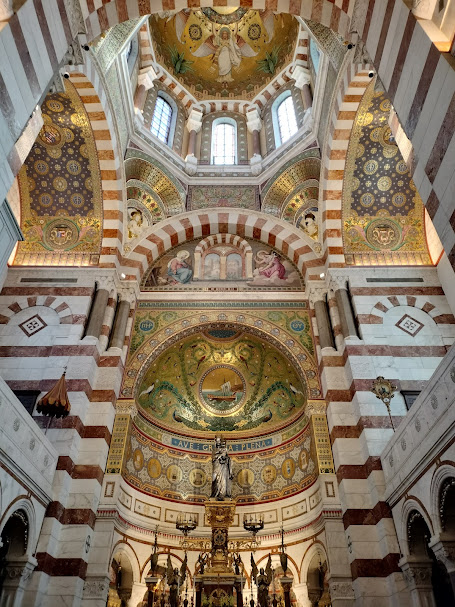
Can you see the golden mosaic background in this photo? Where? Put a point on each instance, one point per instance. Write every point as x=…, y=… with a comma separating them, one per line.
x=383, y=214
x=190, y=45
x=60, y=184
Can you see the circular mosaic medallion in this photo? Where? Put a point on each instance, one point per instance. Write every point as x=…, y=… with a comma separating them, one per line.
x=370, y=167
x=138, y=460
x=195, y=31
x=89, y=184
x=174, y=474
x=83, y=150
x=41, y=167
x=197, y=477
x=54, y=105
x=375, y=134
x=68, y=135
x=45, y=200
x=73, y=167
x=50, y=135
x=222, y=390
x=77, y=200
x=385, y=105
x=60, y=184
x=383, y=233
x=60, y=234
x=401, y=167
x=78, y=120
x=399, y=199
x=384, y=183
x=254, y=31
x=54, y=152
x=245, y=478
x=367, y=199
x=288, y=468
x=355, y=184
x=297, y=325
x=268, y=474
x=154, y=468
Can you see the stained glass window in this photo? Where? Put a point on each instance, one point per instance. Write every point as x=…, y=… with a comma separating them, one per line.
x=286, y=119
x=161, y=121
x=223, y=146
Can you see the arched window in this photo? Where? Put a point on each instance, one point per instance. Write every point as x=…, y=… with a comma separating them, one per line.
x=162, y=120
x=287, y=122
x=224, y=139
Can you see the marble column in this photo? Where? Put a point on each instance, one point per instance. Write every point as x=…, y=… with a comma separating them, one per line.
x=254, y=126
x=302, y=79
x=97, y=313
x=321, y=311
x=144, y=84
x=120, y=322
x=194, y=125
x=17, y=573
x=343, y=301
x=417, y=573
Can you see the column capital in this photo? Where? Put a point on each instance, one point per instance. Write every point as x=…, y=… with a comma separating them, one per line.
x=146, y=77
x=416, y=572
x=19, y=570
x=317, y=293
x=194, y=122
x=337, y=281
x=96, y=587
x=127, y=294
x=253, y=120
x=301, y=75
x=341, y=588
x=444, y=551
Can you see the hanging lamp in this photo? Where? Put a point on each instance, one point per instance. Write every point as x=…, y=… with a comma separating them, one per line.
x=56, y=402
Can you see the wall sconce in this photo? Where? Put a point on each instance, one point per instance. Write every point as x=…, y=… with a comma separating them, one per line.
x=384, y=390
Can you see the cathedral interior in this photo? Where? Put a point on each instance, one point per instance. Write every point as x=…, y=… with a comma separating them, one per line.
x=227, y=299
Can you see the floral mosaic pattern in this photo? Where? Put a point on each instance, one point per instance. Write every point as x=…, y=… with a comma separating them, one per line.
x=60, y=181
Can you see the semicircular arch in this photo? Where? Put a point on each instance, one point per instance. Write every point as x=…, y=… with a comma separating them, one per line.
x=286, y=239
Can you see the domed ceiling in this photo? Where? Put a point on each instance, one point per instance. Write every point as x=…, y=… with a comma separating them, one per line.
x=224, y=52
x=221, y=380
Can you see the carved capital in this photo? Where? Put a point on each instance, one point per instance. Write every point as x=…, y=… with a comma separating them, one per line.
x=317, y=293
x=19, y=570
x=96, y=587
x=194, y=122
x=341, y=589
x=146, y=77
x=127, y=294
x=106, y=282
x=337, y=281
x=301, y=76
x=126, y=407
x=253, y=120
x=416, y=573
x=444, y=551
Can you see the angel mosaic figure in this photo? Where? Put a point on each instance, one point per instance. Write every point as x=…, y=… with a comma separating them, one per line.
x=228, y=49
x=175, y=579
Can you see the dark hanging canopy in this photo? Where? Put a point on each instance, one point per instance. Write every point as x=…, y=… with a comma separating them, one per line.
x=55, y=403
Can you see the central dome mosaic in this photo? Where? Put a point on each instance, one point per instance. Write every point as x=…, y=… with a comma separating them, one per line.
x=224, y=52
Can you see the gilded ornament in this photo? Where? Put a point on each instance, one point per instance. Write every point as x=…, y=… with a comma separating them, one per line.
x=384, y=183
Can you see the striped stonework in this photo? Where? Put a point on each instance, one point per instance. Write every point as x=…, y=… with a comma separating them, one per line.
x=359, y=426
x=145, y=47
x=352, y=86
x=189, y=226
x=331, y=13
x=93, y=378
x=92, y=93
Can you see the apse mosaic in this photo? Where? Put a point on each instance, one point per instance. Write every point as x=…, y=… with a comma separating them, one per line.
x=221, y=369
x=224, y=52
x=237, y=383
x=60, y=182
x=382, y=210
x=228, y=263
x=180, y=475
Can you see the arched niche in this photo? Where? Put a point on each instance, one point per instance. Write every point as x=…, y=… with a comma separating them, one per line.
x=212, y=256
